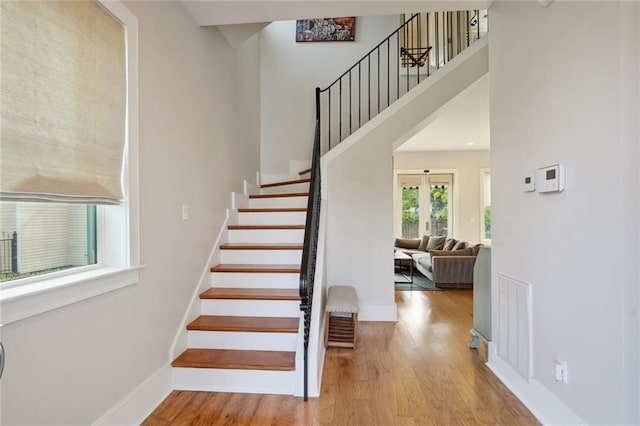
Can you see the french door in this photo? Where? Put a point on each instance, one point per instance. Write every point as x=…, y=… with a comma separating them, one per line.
x=426, y=204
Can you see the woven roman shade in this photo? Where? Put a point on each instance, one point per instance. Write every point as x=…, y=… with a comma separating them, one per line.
x=63, y=102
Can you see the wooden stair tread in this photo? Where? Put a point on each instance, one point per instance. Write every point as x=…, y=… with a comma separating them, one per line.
x=236, y=359
x=263, y=227
x=245, y=324
x=251, y=293
x=228, y=267
x=286, y=182
x=284, y=195
x=305, y=171
x=274, y=210
x=260, y=246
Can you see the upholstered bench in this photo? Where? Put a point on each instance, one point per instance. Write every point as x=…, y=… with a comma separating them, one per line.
x=341, y=316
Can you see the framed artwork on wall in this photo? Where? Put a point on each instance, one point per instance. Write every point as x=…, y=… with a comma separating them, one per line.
x=326, y=29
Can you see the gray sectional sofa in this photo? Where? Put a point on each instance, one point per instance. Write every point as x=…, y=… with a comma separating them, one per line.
x=445, y=261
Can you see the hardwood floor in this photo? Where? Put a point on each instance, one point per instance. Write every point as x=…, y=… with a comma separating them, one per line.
x=418, y=371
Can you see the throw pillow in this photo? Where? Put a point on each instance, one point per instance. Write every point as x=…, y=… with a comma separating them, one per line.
x=463, y=252
x=435, y=243
x=460, y=245
x=423, y=243
x=406, y=243
x=475, y=249
x=449, y=243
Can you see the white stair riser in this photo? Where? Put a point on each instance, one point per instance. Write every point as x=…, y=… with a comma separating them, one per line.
x=250, y=308
x=280, y=202
x=241, y=381
x=261, y=256
x=272, y=218
x=295, y=236
x=243, y=340
x=255, y=280
x=283, y=189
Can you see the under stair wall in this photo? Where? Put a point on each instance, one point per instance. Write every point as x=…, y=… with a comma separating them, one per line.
x=358, y=190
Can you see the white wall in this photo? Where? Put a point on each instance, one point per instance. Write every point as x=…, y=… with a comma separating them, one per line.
x=564, y=89
x=290, y=73
x=467, y=187
x=69, y=366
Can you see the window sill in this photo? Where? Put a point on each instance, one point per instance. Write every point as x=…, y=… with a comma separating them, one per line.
x=24, y=301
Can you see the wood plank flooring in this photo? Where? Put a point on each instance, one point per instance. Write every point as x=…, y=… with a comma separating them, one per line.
x=418, y=371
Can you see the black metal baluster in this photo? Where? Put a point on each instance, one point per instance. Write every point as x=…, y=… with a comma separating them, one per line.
x=350, y=90
x=397, y=66
x=369, y=86
x=378, y=48
x=429, y=51
x=459, y=24
x=437, y=43
x=359, y=93
x=419, y=46
x=329, y=118
x=406, y=50
x=340, y=112
x=468, y=35
x=388, y=71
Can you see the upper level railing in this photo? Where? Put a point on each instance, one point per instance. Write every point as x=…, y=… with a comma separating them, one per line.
x=421, y=45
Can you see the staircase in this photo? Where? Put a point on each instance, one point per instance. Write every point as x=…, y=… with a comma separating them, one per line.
x=246, y=336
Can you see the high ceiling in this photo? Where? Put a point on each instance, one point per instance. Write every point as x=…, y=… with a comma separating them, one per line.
x=461, y=124
x=215, y=12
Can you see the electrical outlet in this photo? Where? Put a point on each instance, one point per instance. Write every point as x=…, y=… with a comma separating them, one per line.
x=185, y=212
x=560, y=371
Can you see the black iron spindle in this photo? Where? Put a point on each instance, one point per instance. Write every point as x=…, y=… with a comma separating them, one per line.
x=340, y=112
x=388, y=71
x=428, y=45
x=329, y=118
x=350, y=90
x=359, y=94
x=398, y=54
x=419, y=36
x=369, y=86
x=378, y=48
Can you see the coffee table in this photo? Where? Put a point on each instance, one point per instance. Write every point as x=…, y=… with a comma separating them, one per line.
x=401, y=259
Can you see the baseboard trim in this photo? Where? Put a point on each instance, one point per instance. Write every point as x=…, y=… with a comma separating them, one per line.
x=543, y=404
x=137, y=405
x=378, y=312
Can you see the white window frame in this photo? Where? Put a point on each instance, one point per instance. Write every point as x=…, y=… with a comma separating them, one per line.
x=118, y=226
x=483, y=240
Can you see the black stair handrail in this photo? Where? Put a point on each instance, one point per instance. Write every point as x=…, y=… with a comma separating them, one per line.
x=404, y=58
x=310, y=246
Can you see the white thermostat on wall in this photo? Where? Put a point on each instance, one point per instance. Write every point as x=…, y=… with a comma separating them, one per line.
x=551, y=179
x=529, y=182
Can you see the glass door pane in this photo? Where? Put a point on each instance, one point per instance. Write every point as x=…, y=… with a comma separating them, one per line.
x=410, y=193
x=440, y=196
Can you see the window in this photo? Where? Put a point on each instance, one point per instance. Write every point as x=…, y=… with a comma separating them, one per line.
x=40, y=238
x=426, y=204
x=485, y=213
x=101, y=241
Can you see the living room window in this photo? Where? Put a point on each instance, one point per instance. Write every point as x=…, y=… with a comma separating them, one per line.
x=69, y=194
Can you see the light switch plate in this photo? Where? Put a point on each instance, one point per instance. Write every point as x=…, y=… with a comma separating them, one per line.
x=529, y=182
